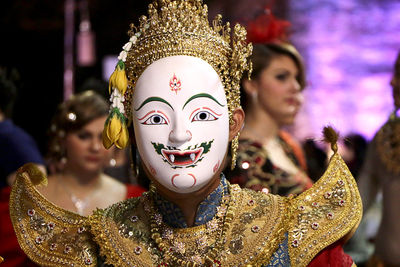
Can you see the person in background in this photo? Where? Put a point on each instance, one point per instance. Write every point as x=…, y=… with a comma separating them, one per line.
x=316, y=159
x=268, y=157
x=381, y=171
x=17, y=147
x=76, y=159
x=119, y=166
x=77, y=182
x=355, y=146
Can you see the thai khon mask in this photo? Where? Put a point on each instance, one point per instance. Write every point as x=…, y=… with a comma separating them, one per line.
x=181, y=122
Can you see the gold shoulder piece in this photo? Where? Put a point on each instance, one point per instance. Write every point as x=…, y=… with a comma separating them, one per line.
x=122, y=232
x=325, y=213
x=49, y=235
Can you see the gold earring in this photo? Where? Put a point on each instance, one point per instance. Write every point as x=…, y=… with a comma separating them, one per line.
x=234, y=147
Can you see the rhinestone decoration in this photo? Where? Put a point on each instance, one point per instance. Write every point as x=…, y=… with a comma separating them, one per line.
x=138, y=250
x=39, y=240
x=255, y=229
x=53, y=246
x=315, y=225
x=31, y=212
x=51, y=226
x=67, y=249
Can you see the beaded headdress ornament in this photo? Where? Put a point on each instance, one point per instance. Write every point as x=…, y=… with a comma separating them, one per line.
x=172, y=28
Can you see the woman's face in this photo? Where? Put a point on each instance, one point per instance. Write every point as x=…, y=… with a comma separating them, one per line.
x=181, y=122
x=278, y=91
x=84, y=147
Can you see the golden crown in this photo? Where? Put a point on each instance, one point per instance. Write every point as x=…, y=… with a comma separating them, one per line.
x=178, y=27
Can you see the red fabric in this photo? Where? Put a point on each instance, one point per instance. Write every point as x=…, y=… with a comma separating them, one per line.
x=134, y=191
x=9, y=247
x=332, y=256
x=266, y=28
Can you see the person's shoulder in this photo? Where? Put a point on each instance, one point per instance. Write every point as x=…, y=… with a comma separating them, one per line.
x=28, y=207
x=126, y=222
x=327, y=212
x=13, y=131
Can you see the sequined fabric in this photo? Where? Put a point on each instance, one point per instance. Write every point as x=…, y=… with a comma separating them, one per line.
x=173, y=216
x=256, y=171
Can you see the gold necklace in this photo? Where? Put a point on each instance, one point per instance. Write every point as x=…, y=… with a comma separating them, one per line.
x=195, y=246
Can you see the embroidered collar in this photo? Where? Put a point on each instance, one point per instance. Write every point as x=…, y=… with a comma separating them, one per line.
x=173, y=216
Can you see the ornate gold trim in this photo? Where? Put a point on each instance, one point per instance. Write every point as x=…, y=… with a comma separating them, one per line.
x=258, y=227
x=49, y=235
x=325, y=213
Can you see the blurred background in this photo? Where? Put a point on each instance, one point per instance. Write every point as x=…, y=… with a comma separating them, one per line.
x=349, y=47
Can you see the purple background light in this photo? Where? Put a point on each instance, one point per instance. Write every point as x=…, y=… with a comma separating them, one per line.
x=349, y=48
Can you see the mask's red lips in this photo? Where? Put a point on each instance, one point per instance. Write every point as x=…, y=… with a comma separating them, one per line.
x=182, y=158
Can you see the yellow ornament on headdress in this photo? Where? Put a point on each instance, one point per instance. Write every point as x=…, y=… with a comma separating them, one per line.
x=123, y=138
x=115, y=130
x=118, y=79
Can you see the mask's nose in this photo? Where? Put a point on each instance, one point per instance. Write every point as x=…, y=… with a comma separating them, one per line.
x=180, y=134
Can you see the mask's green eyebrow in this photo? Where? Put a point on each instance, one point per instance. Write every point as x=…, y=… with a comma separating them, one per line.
x=202, y=95
x=150, y=99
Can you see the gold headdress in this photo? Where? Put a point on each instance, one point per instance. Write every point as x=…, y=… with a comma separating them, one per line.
x=178, y=27
x=388, y=143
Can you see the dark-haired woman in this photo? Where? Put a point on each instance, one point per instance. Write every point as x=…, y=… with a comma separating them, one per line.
x=268, y=157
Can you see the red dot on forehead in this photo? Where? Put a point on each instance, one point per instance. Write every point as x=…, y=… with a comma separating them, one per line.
x=175, y=84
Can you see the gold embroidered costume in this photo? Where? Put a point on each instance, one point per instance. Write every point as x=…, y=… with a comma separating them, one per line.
x=250, y=229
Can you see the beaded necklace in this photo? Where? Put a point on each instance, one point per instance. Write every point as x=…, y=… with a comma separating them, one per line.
x=195, y=246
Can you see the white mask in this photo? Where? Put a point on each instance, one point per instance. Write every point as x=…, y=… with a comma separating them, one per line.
x=181, y=122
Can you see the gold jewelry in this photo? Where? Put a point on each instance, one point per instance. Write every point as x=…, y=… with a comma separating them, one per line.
x=173, y=28
x=234, y=148
x=388, y=143
x=206, y=240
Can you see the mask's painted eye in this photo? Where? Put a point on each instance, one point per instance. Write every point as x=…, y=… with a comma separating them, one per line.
x=155, y=119
x=204, y=116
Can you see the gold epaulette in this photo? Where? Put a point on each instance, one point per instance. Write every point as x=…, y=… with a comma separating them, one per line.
x=330, y=210
x=49, y=235
x=121, y=230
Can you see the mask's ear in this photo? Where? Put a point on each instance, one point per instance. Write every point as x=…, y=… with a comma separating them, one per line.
x=237, y=122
